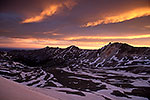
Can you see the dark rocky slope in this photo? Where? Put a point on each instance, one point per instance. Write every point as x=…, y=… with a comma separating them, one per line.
x=115, y=54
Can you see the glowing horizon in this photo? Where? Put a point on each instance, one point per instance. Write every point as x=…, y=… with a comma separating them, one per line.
x=109, y=37
x=41, y=43
x=84, y=47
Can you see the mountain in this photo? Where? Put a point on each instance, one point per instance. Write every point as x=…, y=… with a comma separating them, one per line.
x=118, y=68
x=116, y=54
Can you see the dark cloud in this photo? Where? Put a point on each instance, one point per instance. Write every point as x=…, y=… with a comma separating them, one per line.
x=67, y=22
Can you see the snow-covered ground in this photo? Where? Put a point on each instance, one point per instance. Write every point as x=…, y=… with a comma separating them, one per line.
x=10, y=90
x=116, y=72
x=85, y=83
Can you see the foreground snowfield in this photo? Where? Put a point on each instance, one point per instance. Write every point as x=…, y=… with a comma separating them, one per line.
x=73, y=88
x=10, y=90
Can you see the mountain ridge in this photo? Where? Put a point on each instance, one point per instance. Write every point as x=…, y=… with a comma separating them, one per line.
x=72, y=55
x=114, y=43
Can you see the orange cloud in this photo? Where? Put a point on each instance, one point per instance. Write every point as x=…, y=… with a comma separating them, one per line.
x=47, y=12
x=51, y=10
x=109, y=37
x=135, y=13
x=147, y=26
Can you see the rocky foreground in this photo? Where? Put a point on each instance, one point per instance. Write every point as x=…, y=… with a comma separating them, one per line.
x=116, y=71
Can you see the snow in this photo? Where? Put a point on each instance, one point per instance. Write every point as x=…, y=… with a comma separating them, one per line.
x=79, y=78
x=89, y=74
x=107, y=94
x=57, y=84
x=41, y=78
x=23, y=74
x=63, y=96
x=5, y=71
x=141, y=82
x=124, y=73
x=19, y=92
x=89, y=95
x=95, y=61
x=15, y=71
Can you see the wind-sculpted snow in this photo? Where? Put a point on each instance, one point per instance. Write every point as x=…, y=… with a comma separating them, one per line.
x=114, y=72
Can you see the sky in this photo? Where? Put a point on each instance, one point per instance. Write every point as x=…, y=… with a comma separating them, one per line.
x=88, y=24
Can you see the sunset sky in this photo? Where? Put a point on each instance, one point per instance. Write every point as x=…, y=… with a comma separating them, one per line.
x=88, y=24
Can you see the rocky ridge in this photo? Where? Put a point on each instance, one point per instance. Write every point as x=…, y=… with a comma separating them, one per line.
x=116, y=54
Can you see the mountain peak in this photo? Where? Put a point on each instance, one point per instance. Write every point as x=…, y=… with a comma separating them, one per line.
x=47, y=47
x=73, y=47
x=120, y=44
